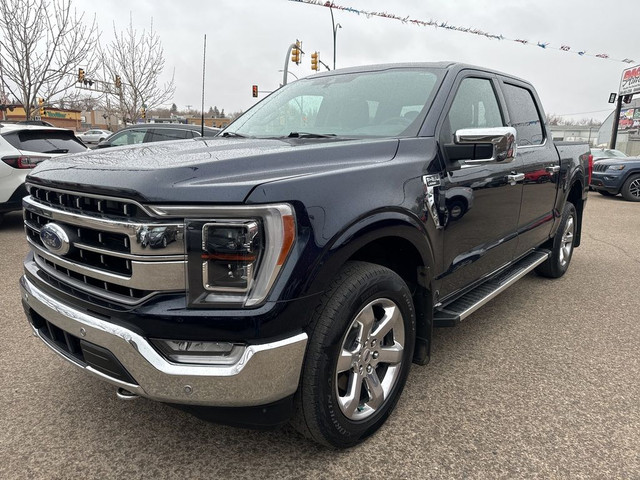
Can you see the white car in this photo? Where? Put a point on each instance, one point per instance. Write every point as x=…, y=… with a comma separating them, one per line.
x=22, y=147
x=94, y=136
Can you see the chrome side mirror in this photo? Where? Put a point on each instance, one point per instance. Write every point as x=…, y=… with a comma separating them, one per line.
x=503, y=140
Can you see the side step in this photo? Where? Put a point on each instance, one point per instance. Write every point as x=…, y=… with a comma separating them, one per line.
x=449, y=315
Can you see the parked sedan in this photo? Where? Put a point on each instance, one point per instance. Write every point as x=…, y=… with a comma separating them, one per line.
x=22, y=147
x=617, y=175
x=94, y=135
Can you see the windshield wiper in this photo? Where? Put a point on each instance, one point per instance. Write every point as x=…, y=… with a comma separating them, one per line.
x=310, y=135
x=233, y=134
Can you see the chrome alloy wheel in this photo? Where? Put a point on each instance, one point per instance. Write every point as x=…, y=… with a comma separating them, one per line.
x=370, y=359
x=567, y=241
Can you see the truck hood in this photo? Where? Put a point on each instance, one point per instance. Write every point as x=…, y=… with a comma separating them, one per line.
x=220, y=170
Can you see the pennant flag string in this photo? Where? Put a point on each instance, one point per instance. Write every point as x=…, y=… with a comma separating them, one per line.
x=448, y=26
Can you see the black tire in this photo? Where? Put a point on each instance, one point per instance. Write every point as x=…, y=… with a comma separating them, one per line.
x=606, y=194
x=374, y=295
x=562, y=251
x=1, y=218
x=631, y=189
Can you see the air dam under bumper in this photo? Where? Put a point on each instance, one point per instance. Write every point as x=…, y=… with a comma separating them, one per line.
x=264, y=373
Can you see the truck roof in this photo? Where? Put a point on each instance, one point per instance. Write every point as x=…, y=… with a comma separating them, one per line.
x=453, y=67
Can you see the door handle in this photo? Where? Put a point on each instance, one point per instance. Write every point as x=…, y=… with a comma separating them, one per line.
x=554, y=169
x=515, y=178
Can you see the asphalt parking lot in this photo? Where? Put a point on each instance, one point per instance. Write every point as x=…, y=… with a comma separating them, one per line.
x=543, y=382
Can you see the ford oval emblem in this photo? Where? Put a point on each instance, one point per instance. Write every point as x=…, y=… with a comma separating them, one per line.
x=55, y=239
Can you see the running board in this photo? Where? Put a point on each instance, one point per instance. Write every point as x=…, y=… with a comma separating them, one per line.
x=449, y=315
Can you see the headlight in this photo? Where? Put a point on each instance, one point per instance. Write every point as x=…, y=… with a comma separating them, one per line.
x=235, y=257
x=615, y=167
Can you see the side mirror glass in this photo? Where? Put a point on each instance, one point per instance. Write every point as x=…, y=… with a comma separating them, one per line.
x=500, y=141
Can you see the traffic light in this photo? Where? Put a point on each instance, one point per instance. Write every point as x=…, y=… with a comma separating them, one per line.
x=80, y=75
x=296, y=52
x=143, y=112
x=314, y=61
x=118, y=82
x=41, y=107
x=254, y=91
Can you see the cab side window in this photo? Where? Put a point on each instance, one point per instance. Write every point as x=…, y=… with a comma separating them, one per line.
x=474, y=106
x=524, y=115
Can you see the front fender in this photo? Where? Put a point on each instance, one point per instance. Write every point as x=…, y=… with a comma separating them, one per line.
x=397, y=223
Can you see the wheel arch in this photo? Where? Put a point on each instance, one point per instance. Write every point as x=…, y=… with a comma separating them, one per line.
x=395, y=240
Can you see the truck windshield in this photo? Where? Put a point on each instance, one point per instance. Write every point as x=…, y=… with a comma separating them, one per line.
x=364, y=104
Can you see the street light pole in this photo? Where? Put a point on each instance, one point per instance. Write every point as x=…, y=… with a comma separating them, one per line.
x=335, y=26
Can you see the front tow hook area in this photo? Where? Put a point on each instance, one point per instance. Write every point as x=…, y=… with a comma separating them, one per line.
x=124, y=394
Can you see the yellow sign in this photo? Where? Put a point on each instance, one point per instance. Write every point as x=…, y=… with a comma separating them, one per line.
x=52, y=113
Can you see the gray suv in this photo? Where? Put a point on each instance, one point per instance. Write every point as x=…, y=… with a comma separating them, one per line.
x=155, y=132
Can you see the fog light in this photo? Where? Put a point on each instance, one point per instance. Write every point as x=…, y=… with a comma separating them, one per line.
x=208, y=353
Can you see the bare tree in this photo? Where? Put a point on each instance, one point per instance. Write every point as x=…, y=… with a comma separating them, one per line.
x=42, y=44
x=137, y=58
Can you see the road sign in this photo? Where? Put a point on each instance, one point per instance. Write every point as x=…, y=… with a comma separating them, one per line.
x=630, y=82
x=37, y=117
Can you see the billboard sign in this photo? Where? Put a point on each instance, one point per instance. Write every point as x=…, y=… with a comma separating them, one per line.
x=629, y=119
x=630, y=82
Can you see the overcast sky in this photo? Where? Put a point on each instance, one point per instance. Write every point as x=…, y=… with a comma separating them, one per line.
x=247, y=41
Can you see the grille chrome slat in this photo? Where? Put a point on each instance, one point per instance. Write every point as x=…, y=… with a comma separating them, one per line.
x=116, y=250
x=144, y=275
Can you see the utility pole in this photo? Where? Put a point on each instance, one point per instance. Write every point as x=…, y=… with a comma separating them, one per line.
x=204, y=63
x=335, y=26
x=616, y=120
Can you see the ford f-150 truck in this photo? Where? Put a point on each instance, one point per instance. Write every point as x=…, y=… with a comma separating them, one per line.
x=294, y=267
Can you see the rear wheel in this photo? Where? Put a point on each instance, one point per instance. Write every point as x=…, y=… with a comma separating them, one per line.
x=558, y=262
x=358, y=358
x=631, y=189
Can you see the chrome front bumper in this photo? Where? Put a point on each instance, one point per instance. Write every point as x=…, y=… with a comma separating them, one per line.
x=264, y=373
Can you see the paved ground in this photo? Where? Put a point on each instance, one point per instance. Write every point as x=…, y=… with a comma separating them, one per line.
x=543, y=382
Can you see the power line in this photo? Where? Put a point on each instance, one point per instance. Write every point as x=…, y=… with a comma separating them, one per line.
x=580, y=113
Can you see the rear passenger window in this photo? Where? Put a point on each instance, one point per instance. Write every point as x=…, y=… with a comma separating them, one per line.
x=164, y=134
x=525, y=117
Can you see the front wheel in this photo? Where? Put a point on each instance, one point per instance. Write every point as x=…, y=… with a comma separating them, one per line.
x=359, y=355
x=558, y=262
x=631, y=189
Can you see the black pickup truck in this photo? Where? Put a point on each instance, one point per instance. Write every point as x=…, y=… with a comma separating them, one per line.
x=294, y=267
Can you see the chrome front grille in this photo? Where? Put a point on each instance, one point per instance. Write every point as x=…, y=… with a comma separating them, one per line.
x=112, y=254
x=600, y=167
